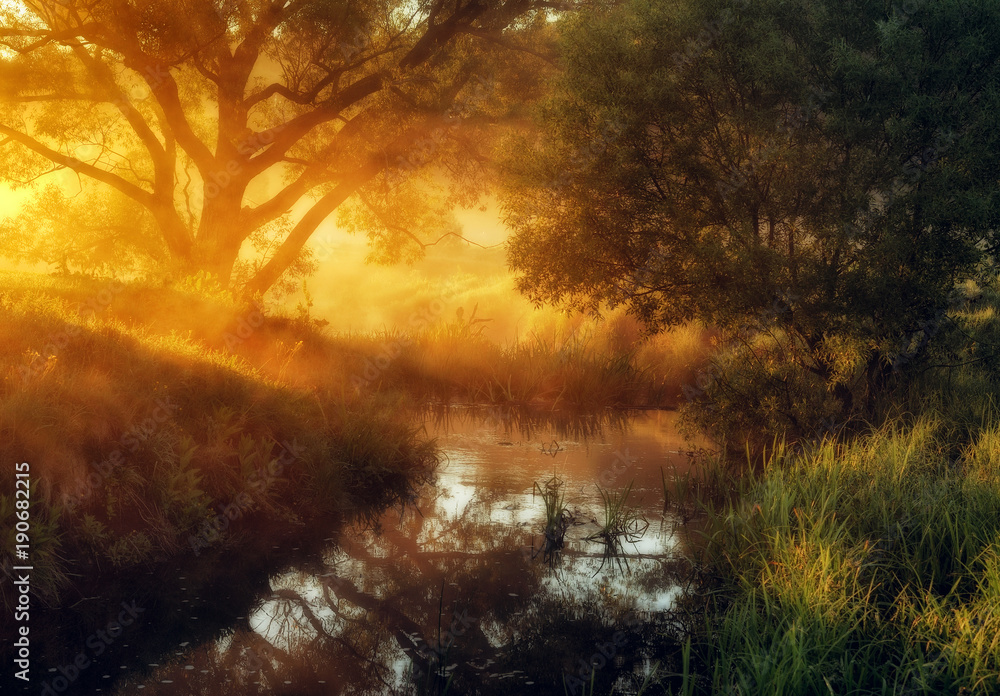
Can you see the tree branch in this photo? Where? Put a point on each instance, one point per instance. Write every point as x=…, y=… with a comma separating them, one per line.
x=293, y=244
x=499, y=41
x=126, y=187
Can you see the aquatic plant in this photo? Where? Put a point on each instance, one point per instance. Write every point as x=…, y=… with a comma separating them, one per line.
x=557, y=516
x=622, y=522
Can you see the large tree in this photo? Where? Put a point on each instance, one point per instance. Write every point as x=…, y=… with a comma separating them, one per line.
x=210, y=126
x=828, y=166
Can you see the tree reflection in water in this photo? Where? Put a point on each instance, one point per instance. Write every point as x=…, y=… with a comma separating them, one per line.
x=448, y=599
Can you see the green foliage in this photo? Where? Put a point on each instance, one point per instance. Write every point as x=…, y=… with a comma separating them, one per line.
x=827, y=170
x=179, y=483
x=131, y=549
x=762, y=372
x=753, y=389
x=93, y=532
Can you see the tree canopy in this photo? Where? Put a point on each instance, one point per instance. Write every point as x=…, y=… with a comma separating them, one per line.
x=829, y=166
x=221, y=133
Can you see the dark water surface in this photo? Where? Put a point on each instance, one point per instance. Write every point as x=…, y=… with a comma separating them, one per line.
x=454, y=594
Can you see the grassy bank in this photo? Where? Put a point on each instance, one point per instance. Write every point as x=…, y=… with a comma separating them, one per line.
x=870, y=565
x=146, y=443
x=869, y=568
x=440, y=354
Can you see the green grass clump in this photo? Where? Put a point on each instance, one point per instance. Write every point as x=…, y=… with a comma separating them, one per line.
x=863, y=568
x=621, y=522
x=557, y=516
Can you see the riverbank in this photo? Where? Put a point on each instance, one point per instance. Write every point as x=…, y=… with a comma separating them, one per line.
x=863, y=568
x=441, y=354
x=173, y=427
x=868, y=566
x=146, y=447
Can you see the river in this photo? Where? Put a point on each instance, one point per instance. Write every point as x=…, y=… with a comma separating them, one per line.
x=459, y=592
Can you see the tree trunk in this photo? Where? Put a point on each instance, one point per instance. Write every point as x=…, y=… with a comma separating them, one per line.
x=216, y=259
x=878, y=375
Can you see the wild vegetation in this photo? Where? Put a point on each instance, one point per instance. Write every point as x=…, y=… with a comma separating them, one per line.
x=780, y=217
x=775, y=164
x=147, y=444
x=863, y=568
x=591, y=365
x=864, y=564
x=776, y=170
x=174, y=404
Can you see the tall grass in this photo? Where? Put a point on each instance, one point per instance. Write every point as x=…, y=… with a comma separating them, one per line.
x=863, y=568
x=592, y=365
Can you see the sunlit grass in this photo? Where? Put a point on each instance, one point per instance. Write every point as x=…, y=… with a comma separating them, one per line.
x=863, y=568
x=591, y=366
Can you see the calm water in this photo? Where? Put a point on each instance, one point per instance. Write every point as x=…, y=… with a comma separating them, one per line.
x=454, y=594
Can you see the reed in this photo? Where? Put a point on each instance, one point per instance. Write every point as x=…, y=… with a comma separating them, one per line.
x=622, y=522
x=865, y=568
x=557, y=516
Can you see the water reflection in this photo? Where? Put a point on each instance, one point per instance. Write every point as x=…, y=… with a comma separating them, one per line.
x=453, y=596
